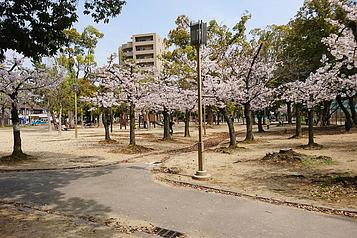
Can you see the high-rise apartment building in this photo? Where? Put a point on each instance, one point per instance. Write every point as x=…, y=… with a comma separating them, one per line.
x=144, y=49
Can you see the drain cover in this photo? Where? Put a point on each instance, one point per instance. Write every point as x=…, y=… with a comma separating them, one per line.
x=167, y=233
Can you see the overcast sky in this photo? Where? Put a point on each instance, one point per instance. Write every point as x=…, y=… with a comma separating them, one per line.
x=142, y=16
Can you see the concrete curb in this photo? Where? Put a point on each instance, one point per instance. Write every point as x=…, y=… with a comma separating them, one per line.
x=308, y=207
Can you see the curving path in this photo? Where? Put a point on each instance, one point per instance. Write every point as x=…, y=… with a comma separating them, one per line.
x=128, y=191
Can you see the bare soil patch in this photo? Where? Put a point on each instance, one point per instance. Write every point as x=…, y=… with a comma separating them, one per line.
x=324, y=177
x=290, y=157
x=105, y=142
x=132, y=149
x=24, y=221
x=13, y=160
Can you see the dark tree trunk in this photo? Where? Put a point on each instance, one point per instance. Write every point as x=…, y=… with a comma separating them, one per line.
x=55, y=124
x=352, y=104
x=311, y=126
x=187, y=123
x=17, y=150
x=2, y=116
x=106, y=123
x=71, y=119
x=254, y=121
x=249, y=122
x=325, y=117
x=111, y=120
x=265, y=117
x=232, y=132
x=290, y=115
x=218, y=118
x=167, y=135
x=298, y=129
x=345, y=110
x=132, y=124
x=260, y=115
x=209, y=115
x=100, y=120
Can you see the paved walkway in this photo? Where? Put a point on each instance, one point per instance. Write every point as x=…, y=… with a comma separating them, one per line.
x=130, y=192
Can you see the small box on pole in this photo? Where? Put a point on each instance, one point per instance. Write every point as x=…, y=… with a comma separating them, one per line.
x=198, y=33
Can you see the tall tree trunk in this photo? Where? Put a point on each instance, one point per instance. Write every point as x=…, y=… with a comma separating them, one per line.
x=265, y=117
x=254, y=121
x=345, y=110
x=352, y=105
x=53, y=115
x=260, y=115
x=325, y=117
x=106, y=123
x=100, y=119
x=82, y=117
x=17, y=150
x=218, y=118
x=2, y=116
x=60, y=121
x=298, y=129
x=249, y=122
x=232, y=132
x=209, y=115
x=132, y=124
x=167, y=135
x=187, y=123
x=49, y=117
x=71, y=119
x=289, y=112
x=111, y=120
x=311, y=126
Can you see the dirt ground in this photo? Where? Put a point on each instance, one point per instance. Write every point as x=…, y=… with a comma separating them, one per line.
x=25, y=222
x=330, y=182
x=50, y=150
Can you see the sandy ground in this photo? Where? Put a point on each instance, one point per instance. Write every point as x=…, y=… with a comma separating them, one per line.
x=51, y=150
x=330, y=183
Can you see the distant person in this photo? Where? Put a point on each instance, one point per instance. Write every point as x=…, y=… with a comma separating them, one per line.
x=268, y=123
x=171, y=127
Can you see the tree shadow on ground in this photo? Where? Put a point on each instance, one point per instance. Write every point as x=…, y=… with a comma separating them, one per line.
x=45, y=189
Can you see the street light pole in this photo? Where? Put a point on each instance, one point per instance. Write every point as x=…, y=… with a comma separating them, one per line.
x=199, y=37
x=75, y=114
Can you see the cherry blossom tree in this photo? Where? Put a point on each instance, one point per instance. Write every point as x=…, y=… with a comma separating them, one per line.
x=317, y=88
x=342, y=47
x=15, y=82
x=105, y=101
x=165, y=96
x=247, y=74
x=125, y=83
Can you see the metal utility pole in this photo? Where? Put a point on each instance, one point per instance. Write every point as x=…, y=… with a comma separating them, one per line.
x=75, y=89
x=198, y=38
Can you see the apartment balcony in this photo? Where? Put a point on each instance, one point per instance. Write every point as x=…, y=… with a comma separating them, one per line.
x=128, y=53
x=143, y=37
x=144, y=43
x=144, y=52
x=148, y=60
